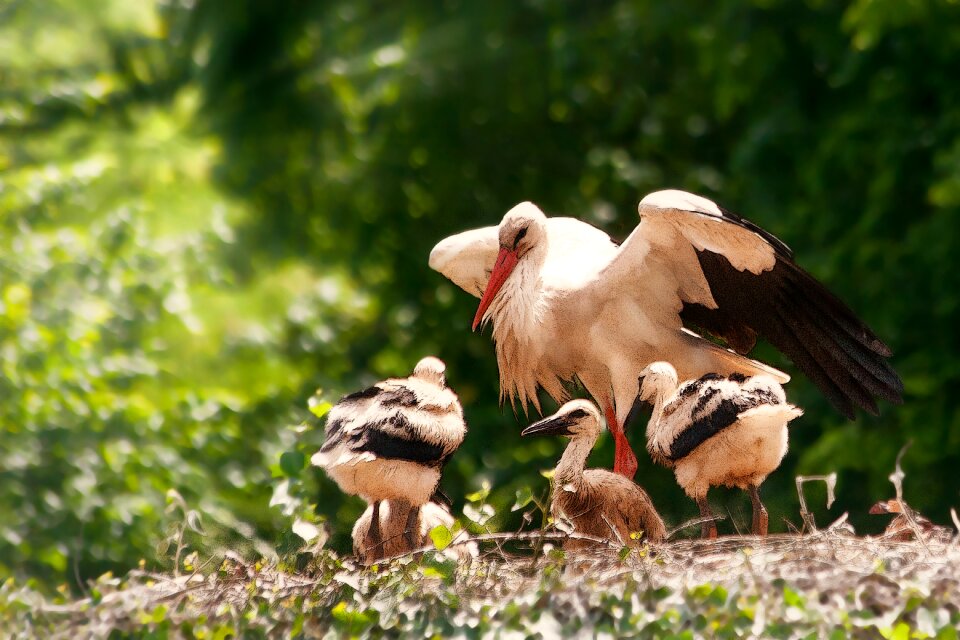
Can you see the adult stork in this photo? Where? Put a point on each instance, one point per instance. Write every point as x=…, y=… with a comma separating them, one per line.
x=566, y=302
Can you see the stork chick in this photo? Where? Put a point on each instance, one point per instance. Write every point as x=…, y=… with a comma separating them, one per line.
x=393, y=515
x=391, y=441
x=717, y=430
x=599, y=503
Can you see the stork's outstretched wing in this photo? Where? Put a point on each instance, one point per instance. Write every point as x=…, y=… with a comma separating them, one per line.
x=737, y=282
x=467, y=258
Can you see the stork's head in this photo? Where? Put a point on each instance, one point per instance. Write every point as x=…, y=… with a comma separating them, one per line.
x=576, y=418
x=522, y=229
x=657, y=380
x=431, y=369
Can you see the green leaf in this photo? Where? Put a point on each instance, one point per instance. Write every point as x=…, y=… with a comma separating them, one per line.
x=441, y=536
x=223, y=632
x=159, y=614
x=792, y=598
x=292, y=463
x=481, y=494
x=899, y=632
x=342, y=613
x=318, y=406
x=524, y=497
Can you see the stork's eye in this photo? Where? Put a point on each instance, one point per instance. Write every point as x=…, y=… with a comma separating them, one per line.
x=519, y=237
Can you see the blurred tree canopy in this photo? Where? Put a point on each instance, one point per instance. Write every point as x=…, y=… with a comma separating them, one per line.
x=210, y=208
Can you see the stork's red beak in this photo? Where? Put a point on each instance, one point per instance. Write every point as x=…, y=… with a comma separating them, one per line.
x=506, y=261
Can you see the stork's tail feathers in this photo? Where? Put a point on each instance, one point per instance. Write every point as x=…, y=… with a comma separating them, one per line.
x=726, y=361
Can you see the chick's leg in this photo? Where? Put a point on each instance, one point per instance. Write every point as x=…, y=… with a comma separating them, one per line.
x=411, y=529
x=760, y=517
x=375, y=535
x=708, y=528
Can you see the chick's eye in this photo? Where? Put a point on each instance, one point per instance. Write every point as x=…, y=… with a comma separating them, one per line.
x=519, y=237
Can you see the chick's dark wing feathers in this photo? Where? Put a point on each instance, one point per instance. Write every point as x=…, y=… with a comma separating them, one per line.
x=710, y=418
x=391, y=439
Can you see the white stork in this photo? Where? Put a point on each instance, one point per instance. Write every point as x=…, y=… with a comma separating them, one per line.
x=566, y=302
x=717, y=430
x=391, y=441
x=599, y=503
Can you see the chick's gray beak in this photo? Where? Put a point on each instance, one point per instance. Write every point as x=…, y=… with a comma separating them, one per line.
x=552, y=426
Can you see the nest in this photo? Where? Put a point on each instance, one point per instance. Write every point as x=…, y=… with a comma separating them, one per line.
x=831, y=570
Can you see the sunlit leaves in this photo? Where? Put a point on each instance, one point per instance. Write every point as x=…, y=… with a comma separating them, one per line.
x=479, y=514
x=318, y=407
x=524, y=497
x=481, y=494
x=441, y=536
x=306, y=530
x=119, y=382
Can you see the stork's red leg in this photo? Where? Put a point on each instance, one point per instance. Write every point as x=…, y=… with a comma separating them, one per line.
x=624, y=461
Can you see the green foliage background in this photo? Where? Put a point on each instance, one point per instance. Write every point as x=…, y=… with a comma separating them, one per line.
x=210, y=208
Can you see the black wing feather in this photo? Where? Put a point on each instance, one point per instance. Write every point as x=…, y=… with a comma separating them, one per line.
x=800, y=317
x=859, y=346
x=803, y=284
x=850, y=359
x=789, y=343
x=704, y=399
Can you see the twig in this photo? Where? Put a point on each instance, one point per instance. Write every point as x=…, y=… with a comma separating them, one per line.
x=76, y=564
x=897, y=479
x=831, y=481
x=538, y=543
x=898, y=475
x=613, y=529
x=839, y=522
x=509, y=537
x=694, y=522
